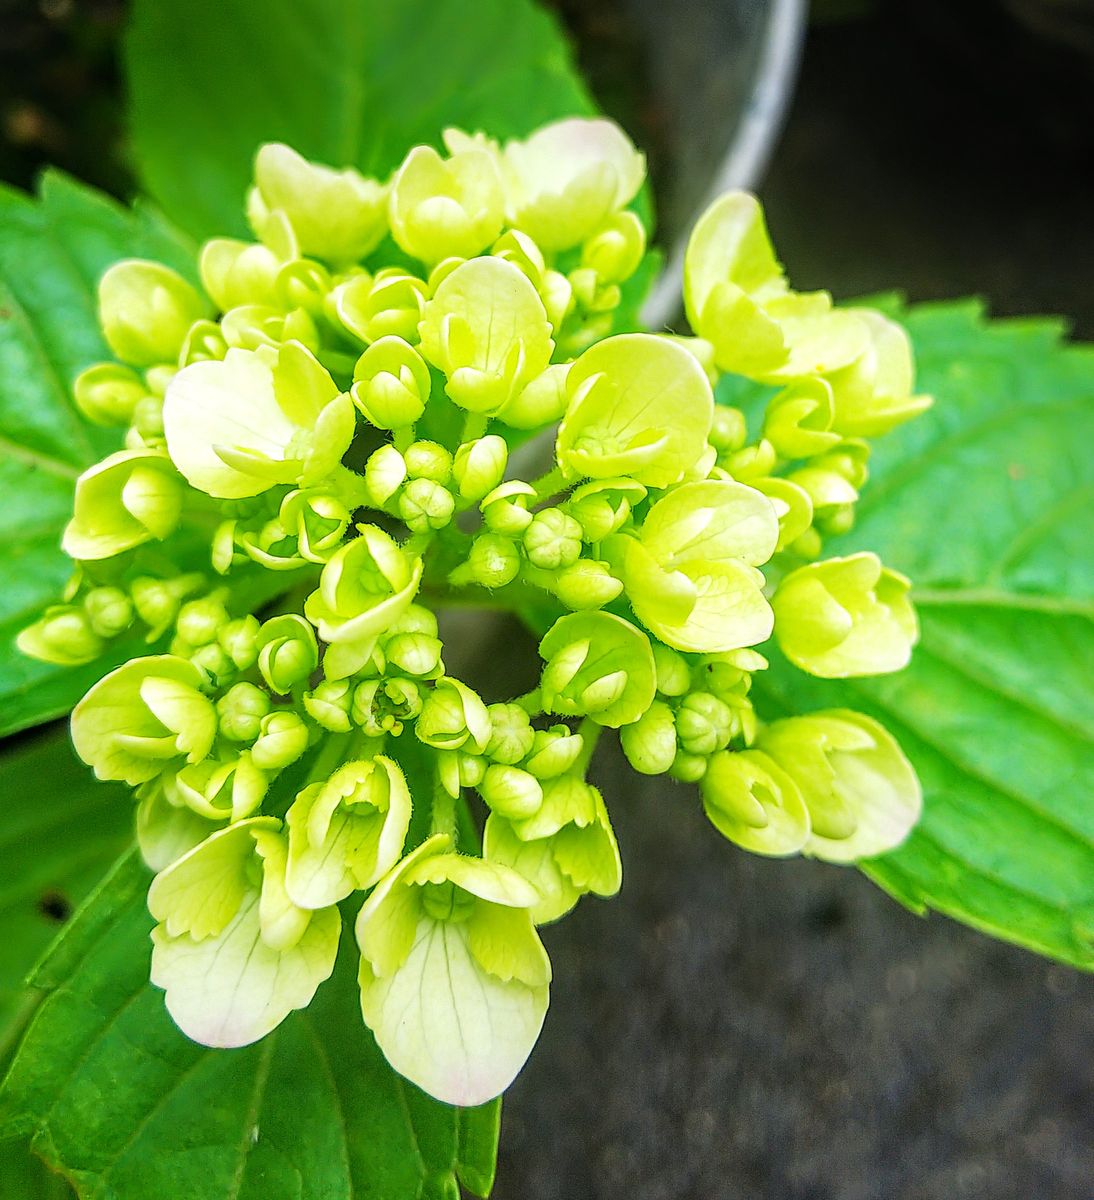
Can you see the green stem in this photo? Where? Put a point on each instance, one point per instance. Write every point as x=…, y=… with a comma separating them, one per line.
x=549, y=485
x=443, y=813
x=333, y=750
x=474, y=426
x=402, y=438
x=590, y=734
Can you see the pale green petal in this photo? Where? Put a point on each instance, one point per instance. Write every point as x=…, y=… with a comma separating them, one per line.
x=229, y=403
x=165, y=832
x=752, y=801
x=232, y=989
x=504, y=943
x=488, y=881
x=200, y=893
x=640, y=406
x=711, y=521
x=125, y=500
x=535, y=861
x=458, y=1032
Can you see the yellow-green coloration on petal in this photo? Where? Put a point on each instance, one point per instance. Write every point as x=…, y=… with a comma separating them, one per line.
x=142, y=717
x=365, y=588
x=691, y=574
x=233, y=953
x=146, y=311
x=639, y=406
x=390, y=384
x=454, y=979
x=598, y=665
x=237, y=427
x=862, y=794
x=339, y=216
x=236, y=273
x=129, y=498
x=738, y=300
x=873, y=394
x=346, y=833
x=846, y=617
x=454, y=717
x=566, y=180
x=752, y=801
x=167, y=830
x=565, y=849
x=446, y=208
x=487, y=330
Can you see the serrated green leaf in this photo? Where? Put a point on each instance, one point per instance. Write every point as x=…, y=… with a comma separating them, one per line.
x=53, y=249
x=115, y=1097
x=346, y=84
x=987, y=503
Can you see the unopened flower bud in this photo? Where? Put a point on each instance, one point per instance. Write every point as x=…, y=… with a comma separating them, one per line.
x=287, y=652
x=553, y=539
x=63, y=635
x=215, y=666
x=512, y=734
x=673, y=673
x=391, y=384
x=616, y=249
x=478, y=466
x=109, y=610
x=603, y=506
x=541, y=402
x=453, y=717
x=650, y=743
x=845, y=617
x=752, y=801
x=107, y=393
x=145, y=310
x=704, y=724
x=389, y=305
x=240, y=711
x=688, y=768
x=385, y=473
x=510, y=791
x=729, y=431
x=329, y=704
x=239, y=640
x=234, y=272
x=428, y=460
x=554, y=751
x=492, y=562
x=424, y=504
x=505, y=509
x=282, y=739
x=414, y=653
x=157, y=600
x=586, y=584
x=200, y=621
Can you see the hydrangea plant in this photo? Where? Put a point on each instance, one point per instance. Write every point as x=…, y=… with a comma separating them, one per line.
x=409, y=392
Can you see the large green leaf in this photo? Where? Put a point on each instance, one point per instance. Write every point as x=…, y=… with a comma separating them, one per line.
x=53, y=850
x=349, y=84
x=117, y=1099
x=987, y=502
x=52, y=251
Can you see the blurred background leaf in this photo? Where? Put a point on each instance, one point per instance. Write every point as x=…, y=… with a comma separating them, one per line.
x=345, y=84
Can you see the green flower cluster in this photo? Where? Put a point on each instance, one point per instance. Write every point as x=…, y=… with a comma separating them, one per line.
x=340, y=402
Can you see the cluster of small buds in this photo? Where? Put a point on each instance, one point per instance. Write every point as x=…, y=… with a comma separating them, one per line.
x=339, y=401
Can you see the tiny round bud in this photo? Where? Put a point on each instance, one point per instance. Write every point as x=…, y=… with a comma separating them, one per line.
x=391, y=384
x=108, y=393
x=471, y=769
x=616, y=249
x=282, y=739
x=213, y=663
x=587, y=584
x=240, y=711
x=492, y=562
x=287, y=652
x=650, y=743
x=553, y=539
x=512, y=737
x=145, y=310
x=673, y=674
x=505, y=509
x=511, y=792
x=729, y=430
x=425, y=504
x=414, y=653
x=416, y=619
x=428, y=460
x=704, y=724
x=479, y=466
x=200, y=621
x=109, y=610
x=385, y=473
x=688, y=768
x=239, y=640
x=157, y=600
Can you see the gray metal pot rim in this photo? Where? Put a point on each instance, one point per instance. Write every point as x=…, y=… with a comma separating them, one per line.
x=751, y=149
